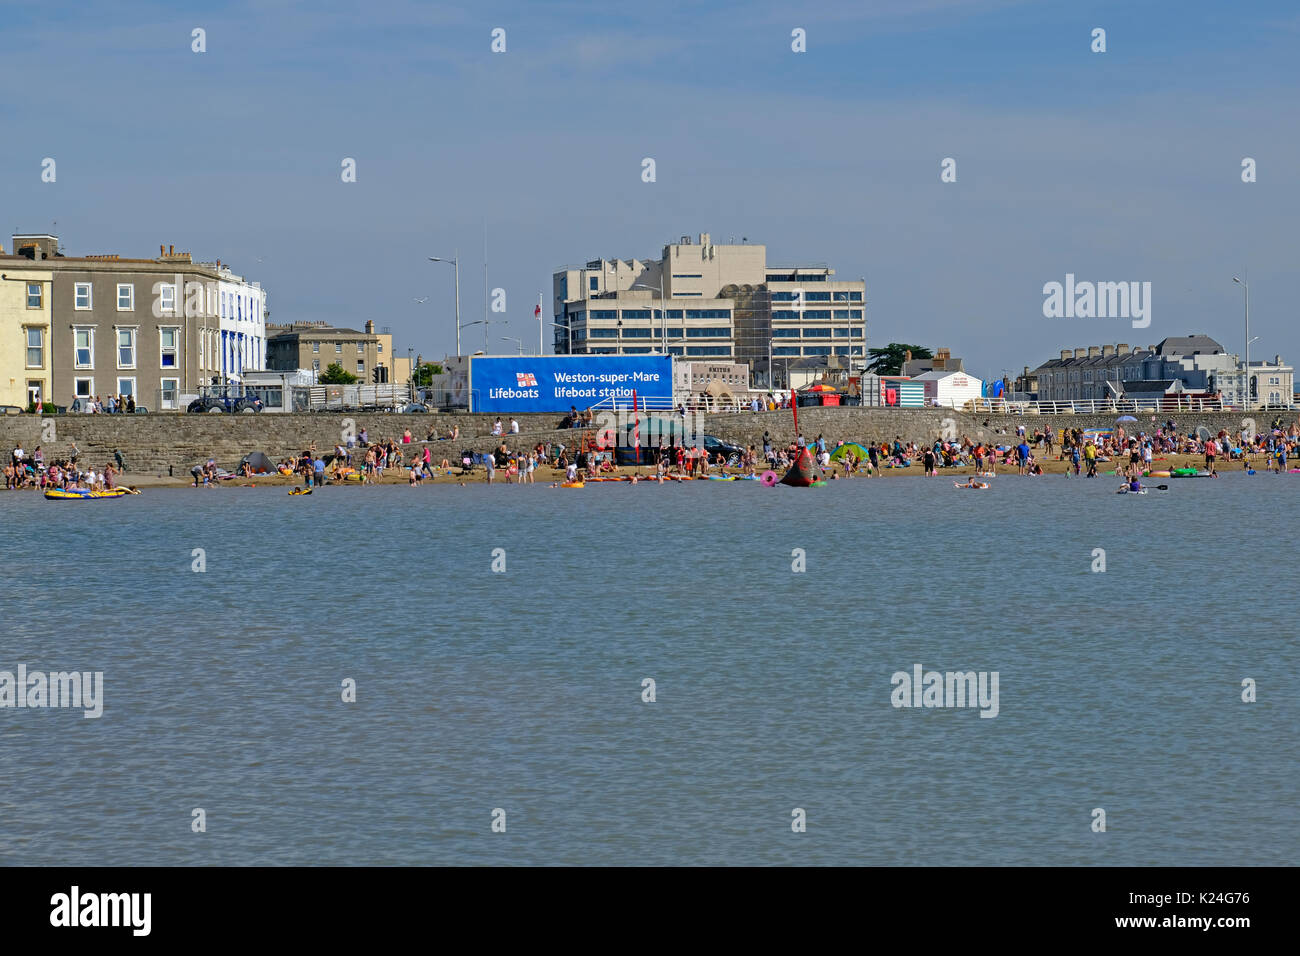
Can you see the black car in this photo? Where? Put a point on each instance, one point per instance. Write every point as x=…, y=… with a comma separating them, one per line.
x=232, y=399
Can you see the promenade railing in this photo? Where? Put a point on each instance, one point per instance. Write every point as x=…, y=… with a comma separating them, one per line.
x=1117, y=406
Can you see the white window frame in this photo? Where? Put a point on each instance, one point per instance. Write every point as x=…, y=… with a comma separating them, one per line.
x=315, y=347
x=135, y=345
x=338, y=348
x=131, y=392
x=27, y=346
x=90, y=346
x=162, y=392
x=163, y=289
x=361, y=348
x=130, y=297
x=175, y=348
x=361, y=366
x=90, y=381
x=40, y=295
x=77, y=288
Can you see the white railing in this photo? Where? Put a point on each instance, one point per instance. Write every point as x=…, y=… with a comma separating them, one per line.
x=644, y=404
x=1104, y=406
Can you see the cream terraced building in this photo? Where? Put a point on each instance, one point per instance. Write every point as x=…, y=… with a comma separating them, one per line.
x=706, y=301
x=25, y=297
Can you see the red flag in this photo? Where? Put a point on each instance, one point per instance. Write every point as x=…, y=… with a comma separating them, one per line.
x=537, y=312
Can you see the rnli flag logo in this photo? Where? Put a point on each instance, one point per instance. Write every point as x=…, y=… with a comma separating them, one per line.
x=526, y=379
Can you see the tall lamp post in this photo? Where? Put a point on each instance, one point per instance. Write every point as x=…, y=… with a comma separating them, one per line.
x=518, y=342
x=663, y=309
x=455, y=261
x=1246, y=377
x=569, y=329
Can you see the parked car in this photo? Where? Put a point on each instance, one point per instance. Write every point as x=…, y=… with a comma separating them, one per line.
x=229, y=399
x=414, y=408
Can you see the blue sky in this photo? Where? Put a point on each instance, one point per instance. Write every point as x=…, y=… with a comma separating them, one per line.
x=1117, y=166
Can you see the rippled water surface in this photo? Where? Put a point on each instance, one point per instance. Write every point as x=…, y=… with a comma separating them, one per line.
x=522, y=691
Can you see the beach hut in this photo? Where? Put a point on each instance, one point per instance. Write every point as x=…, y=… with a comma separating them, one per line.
x=950, y=389
x=902, y=391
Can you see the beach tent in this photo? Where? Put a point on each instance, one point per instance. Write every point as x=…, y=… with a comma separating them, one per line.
x=258, y=462
x=847, y=447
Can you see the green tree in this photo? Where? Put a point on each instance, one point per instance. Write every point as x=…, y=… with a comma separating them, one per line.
x=336, y=374
x=889, y=360
x=425, y=372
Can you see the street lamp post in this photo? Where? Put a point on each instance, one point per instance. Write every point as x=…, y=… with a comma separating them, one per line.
x=568, y=328
x=663, y=309
x=518, y=342
x=455, y=261
x=1246, y=377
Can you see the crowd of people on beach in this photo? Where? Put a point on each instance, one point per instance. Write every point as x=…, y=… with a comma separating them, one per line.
x=32, y=471
x=358, y=459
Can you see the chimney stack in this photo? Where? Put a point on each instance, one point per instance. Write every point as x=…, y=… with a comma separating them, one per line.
x=1080, y=353
x=1066, y=354
x=1107, y=351
x=162, y=250
x=1121, y=348
x=370, y=326
x=1093, y=351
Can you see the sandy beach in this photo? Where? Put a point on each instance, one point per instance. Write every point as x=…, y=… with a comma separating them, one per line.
x=546, y=475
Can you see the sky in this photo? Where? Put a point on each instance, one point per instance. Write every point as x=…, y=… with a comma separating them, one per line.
x=1117, y=166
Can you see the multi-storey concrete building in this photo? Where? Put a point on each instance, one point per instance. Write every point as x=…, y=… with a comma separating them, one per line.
x=152, y=329
x=24, y=333
x=710, y=302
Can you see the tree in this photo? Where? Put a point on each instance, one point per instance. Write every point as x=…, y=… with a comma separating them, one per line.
x=424, y=373
x=889, y=360
x=336, y=374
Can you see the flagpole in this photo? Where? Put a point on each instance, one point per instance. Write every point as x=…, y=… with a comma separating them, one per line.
x=541, y=347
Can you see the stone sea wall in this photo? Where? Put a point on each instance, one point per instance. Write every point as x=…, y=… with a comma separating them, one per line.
x=153, y=444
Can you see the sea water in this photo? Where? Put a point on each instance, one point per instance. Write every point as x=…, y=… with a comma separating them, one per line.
x=504, y=716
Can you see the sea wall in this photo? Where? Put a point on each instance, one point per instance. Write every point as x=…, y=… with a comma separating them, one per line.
x=153, y=444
